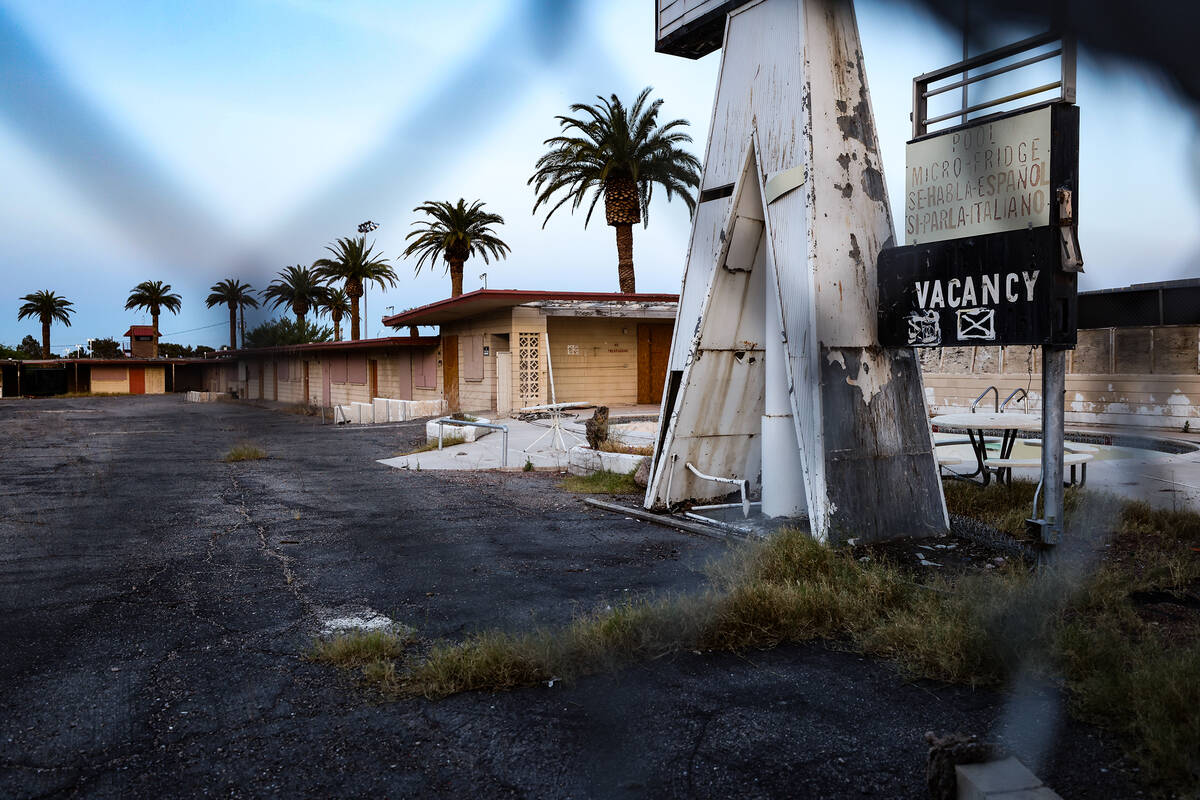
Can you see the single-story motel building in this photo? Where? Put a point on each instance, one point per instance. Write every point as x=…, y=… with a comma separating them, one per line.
x=41, y=378
x=1137, y=362
x=490, y=354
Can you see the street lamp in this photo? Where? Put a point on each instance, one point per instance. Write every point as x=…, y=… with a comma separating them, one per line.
x=366, y=227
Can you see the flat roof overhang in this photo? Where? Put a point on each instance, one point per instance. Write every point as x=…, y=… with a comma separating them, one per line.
x=483, y=301
x=114, y=362
x=327, y=347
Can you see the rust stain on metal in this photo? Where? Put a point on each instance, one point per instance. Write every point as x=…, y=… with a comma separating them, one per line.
x=872, y=183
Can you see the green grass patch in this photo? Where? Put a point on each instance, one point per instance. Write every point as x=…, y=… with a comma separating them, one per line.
x=447, y=441
x=244, y=452
x=601, y=482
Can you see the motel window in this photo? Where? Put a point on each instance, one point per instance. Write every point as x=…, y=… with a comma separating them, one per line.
x=356, y=369
x=425, y=370
x=337, y=369
x=472, y=358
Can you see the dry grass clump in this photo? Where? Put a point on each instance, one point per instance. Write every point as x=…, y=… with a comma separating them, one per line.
x=601, y=482
x=244, y=452
x=614, y=446
x=1086, y=623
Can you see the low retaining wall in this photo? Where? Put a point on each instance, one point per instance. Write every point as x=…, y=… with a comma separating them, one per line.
x=385, y=409
x=205, y=397
x=468, y=433
x=583, y=460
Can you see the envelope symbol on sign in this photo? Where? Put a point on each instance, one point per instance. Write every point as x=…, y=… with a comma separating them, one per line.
x=977, y=323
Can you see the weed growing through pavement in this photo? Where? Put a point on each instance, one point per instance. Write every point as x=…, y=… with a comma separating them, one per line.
x=447, y=441
x=601, y=482
x=1131, y=665
x=245, y=452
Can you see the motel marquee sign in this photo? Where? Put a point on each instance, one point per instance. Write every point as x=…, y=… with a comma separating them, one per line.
x=984, y=263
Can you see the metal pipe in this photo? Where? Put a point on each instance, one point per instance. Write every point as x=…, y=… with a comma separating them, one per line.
x=723, y=505
x=1024, y=397
x=983, y=395
x=470, y=423
x=997, y=102
x=741, y=483
x=993, y=73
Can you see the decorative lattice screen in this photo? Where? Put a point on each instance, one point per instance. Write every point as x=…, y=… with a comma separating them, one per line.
x=529, y=366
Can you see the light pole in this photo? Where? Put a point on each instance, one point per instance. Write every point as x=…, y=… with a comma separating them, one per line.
x=365, y=228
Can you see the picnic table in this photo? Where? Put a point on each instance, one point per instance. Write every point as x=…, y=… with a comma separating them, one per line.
x=1008, y=426
x=976, y=424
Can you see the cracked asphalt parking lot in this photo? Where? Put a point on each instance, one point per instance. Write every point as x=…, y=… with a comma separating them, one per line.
x=156, y=602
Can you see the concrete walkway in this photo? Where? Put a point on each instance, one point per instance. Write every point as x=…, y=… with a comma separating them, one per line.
x=485, y=453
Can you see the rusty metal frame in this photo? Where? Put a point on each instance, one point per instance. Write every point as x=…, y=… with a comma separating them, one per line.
x=1065, y=52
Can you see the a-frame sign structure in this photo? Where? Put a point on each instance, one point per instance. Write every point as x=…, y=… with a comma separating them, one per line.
x=777, y=377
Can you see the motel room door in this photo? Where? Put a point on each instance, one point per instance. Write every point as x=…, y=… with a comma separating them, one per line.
x=137, y=380
x=653, y=353
x=450, y=371
x=326, y=384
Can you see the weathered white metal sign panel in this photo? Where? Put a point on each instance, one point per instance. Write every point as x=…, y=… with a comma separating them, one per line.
x=983, y=179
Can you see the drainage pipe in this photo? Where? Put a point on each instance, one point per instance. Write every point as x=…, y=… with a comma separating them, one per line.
x=464, y=423
x=742, y=484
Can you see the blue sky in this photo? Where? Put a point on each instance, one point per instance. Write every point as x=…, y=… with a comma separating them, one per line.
x=190, y=142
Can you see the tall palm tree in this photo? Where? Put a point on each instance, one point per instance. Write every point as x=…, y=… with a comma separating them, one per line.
x=618, y=154
x=337, y=305
x=455, y=232
x=154, y=296
x=299, y=288
x=47, y=307
x=236, y=295
x=355, y=264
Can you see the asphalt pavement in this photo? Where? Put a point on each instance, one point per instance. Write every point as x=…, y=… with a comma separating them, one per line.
x=156, y=603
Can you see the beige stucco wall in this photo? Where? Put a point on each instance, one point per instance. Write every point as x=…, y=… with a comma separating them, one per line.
x=156, y=380
x=1146, y=376
x=495, y=329
x=104, y=380
x=594, y=359
x=394, y=375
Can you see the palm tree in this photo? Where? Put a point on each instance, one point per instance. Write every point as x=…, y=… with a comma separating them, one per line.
x=354, y=263
x=154, y=296
x=618, y=154
x=47, y=307
x=299, y=288
x=337, y=305
x=236, y=295
x=455, y=232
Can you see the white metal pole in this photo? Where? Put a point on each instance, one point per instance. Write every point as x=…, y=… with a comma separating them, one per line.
x=782, y=466
x=1054, y=368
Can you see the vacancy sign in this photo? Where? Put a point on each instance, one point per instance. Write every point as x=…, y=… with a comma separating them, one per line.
x=983, y=263
x=987, y=178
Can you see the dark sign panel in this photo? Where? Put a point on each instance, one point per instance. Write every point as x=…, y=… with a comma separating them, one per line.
x=1002, y=288
x=986, y=266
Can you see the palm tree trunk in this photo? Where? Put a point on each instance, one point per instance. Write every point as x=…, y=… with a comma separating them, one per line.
x=233, y=327
x=353, y=318
x=456, y=277
x=337, y=328
x=154, y=316
x=412, y=331
x=45, y=337
x=625, y=258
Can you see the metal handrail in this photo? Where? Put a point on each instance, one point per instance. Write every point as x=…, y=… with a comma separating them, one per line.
x=441, y=421
x=985, y=391
x=1024, y=397
x=1065, y=85
x=741, y=483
